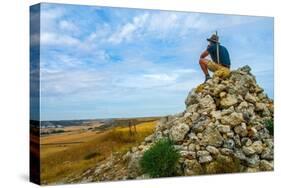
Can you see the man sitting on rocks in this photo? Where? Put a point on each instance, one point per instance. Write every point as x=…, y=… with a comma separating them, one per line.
x=219, y=55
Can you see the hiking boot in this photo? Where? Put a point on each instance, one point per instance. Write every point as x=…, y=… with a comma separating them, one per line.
x=207, y=78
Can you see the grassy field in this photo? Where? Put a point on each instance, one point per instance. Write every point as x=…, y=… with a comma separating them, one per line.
x=71, y=153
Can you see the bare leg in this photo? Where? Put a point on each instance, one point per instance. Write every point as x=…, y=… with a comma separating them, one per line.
x=203, y=65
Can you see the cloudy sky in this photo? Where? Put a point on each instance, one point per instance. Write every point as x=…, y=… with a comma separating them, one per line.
x=99, y=62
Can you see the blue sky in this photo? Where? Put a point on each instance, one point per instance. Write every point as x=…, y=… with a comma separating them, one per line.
x=100, y=62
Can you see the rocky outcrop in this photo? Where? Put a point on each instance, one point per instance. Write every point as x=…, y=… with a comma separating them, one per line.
x=221, y=130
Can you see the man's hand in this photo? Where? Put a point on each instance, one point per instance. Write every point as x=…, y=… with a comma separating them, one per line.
x=204, y=54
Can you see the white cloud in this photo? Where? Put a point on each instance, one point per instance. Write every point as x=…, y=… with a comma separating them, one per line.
x=48, y=38
x=185, y=71
x=164, y=23
x=50, y=12
x=55, y=30
x=128, y=30
x=68, y=26
x=65, y=82
x=144, y=81
x=164, y=79
x=49, y=18
x=160, y=77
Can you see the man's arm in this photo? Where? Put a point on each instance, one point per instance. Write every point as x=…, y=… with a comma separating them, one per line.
x=204, y=54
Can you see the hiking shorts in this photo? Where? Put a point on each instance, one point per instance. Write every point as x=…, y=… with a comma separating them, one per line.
x=212, y=66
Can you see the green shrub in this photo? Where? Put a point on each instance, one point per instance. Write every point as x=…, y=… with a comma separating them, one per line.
x=269, y=126
x=160, y=160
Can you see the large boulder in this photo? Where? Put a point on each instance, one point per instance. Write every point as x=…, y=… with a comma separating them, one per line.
x=133, y=164
x=233, y=119
x=178, y=132
x=192, y=98
x=228, y=101
x=212, y=137
x=206, y=104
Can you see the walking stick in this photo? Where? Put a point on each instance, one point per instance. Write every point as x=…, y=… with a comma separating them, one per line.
x=218, y=53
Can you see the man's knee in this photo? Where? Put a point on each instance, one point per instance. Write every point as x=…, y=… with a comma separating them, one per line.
x=202, y=61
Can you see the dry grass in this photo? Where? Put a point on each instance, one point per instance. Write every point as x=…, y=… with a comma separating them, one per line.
x=123, y=135
x=74, y=136
x=59, y=142
x=59, y=161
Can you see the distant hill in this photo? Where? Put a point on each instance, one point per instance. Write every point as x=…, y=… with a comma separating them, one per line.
x=106, y=122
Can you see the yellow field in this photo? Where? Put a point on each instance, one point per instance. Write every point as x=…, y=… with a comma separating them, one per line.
x=71, y=153
x=59, y=142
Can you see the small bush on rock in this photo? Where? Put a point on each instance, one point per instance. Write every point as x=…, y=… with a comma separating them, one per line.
x=269, y=126
x=160, y=160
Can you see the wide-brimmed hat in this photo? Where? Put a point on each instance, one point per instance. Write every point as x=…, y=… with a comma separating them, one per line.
x=214, y=38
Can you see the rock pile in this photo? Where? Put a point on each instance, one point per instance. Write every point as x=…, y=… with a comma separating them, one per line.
x=221, y=130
